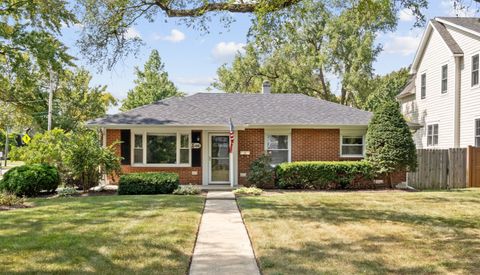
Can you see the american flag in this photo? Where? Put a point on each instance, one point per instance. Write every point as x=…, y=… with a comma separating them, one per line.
x=232, y=137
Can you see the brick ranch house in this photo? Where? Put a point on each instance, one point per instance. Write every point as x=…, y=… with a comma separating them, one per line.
x=190, y=135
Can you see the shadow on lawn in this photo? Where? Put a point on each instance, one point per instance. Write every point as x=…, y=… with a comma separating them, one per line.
x=100, y=235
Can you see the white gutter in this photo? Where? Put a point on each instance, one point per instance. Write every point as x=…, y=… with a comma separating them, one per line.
x=457, y=102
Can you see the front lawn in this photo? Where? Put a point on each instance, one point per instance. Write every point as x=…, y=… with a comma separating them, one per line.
x=365, y=232
x=103, y=234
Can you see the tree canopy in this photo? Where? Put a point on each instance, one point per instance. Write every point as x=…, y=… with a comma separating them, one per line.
x=385, y=88
x=152, y=84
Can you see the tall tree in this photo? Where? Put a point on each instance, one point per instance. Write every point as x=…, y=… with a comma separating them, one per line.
x=390, y=146
x=107, y=23
x=385, y=88
x=152, y=84
x=316, y=40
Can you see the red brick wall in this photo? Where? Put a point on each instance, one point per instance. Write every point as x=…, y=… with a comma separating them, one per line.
x=315, y=144
x=252, y=140
x=185, y=173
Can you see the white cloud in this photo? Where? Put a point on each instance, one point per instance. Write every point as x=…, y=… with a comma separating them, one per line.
x=463, y=11
x=194, y=81
x=406, y=15
x=226, y=51
x=174, y=36
x=399, y=44
x=132, y=33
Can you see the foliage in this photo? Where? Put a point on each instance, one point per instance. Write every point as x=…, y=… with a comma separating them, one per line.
x=389, y=142
x=248, y=191
x=187, y=190
x=11, y=141
x=29, y=180
x=385, y=88
x=296, y=48
x=323, y=174
x=79, y=156
x=261, y=172
x=67, y=191
x=88, y=160
x=152, y=84
x=107, y=33
x=7, y=199
x=148, y=183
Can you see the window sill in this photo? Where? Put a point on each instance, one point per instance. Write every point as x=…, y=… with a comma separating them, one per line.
x=352, y=156
x=161, y=165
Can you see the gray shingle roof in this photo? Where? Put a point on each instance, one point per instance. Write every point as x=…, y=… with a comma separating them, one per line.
x=409, y=88
x=447, y=37
x=244, y=109
x=472, y=23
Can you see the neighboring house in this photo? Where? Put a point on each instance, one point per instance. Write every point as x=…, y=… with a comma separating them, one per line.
x=443, y=94
x=190, y=135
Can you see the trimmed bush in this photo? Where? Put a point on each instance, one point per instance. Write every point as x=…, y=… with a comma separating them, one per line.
x=147, y=183
x=261, y=172
x=325, y=175
x=30, y=180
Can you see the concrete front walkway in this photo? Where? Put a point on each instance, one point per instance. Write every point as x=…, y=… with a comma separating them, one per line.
x=223, y=246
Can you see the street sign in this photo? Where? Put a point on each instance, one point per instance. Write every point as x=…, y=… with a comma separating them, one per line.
x=26, y=139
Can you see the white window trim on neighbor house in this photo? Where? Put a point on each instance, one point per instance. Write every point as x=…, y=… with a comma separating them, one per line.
x=145, y=132
x=287, y=133
x=477, y=71
x=423, y=85
x=432, y=143
x=444, y=79
x=356, y=145
x=476, y=131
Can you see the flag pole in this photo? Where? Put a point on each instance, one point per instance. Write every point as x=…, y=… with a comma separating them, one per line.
x=231, y=143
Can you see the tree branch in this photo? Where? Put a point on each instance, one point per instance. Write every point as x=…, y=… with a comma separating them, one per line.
x=239, y=7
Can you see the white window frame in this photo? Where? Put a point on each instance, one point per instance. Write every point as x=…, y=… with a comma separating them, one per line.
x=477, y=71
x=433, y=134
x=423, y=86
x=145, y=132
x=444, y=91
x=476, y=121
x=342, y=155
x=279, y=133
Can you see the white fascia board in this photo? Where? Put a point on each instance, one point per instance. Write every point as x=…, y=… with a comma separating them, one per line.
x=458, y=26
x=421, y=48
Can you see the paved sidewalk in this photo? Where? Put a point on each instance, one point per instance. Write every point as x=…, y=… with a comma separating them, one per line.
x=223, y=246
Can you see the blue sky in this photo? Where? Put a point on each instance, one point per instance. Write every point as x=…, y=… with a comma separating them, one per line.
x=191, y=58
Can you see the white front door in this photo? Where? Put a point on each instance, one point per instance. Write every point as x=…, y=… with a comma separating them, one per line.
x=219, y=159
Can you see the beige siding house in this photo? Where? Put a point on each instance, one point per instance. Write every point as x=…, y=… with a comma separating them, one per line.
x=443, y=94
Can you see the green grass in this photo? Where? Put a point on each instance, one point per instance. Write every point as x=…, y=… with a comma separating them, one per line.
x=365, y=232
x=103, y=234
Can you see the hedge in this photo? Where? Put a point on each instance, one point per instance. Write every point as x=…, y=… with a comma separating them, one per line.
x=147, y=183
x=30, y=180
x=325, y=175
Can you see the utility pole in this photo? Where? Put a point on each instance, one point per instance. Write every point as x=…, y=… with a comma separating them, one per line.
x=50, y=101
x=6, y=147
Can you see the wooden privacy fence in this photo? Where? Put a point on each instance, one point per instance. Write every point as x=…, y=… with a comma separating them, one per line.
x=440, y=169
x=473, y=167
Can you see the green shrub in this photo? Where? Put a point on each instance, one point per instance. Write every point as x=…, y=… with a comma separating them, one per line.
x=261, y=172
x=29, y=180
x=187, y=190
x=323, y=175
x=7, y=199
x=248, y=191
x=67, y=192
x=147, y=183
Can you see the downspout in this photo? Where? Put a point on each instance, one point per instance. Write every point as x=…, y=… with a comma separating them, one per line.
x=457, y=102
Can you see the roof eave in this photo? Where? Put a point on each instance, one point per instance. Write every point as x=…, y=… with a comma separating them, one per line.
x=443, y=21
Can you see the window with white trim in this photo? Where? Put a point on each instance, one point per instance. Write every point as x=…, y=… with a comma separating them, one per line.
x=475, y=70
x=444, y=78
x=423, y=85
x=170, y=149
x=138, y=149
x=278, y=148
x=477, y=132
x=432, y=135
x=352, y=146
